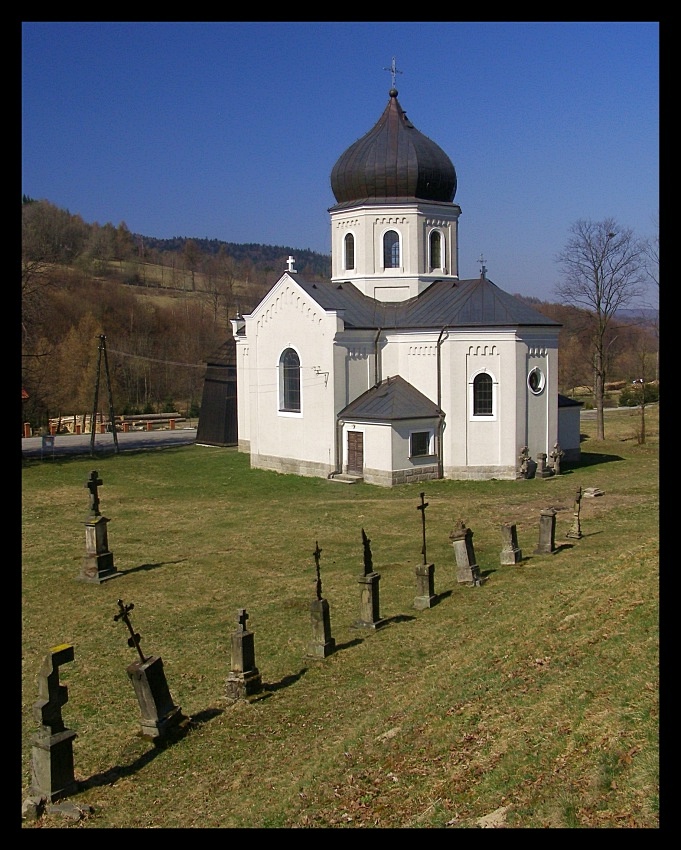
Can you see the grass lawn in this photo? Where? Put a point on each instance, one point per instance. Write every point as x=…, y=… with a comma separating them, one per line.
x=531, y=700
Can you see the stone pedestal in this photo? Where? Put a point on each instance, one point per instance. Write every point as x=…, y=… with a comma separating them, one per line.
x=98, y=563
x=467, y=571
x=510, y=553
x=52, y=775
x=369, y=607
x=425, y=586
x=543, y=471
x=159, y=714
x=547, y=532
x=322, y=644
x=244, y=678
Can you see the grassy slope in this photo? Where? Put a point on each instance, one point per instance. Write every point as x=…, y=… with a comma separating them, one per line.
x=535, y=694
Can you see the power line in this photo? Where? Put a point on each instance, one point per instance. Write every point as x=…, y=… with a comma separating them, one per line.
x=156, y=360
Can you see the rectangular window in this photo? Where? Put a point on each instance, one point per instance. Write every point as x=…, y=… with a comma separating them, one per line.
x=419, y=444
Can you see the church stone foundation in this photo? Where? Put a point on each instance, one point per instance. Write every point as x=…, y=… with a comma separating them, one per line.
x=481, y=473
x=291, y=466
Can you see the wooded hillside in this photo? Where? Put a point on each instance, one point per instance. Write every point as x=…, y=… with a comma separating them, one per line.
x=164, y=306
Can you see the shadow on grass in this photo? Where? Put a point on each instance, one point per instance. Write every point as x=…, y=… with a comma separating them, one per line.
x=589, y=459
x=285, y=682
x=120, y=771
x=348, y=644
x=147, y=567
x=440, y=597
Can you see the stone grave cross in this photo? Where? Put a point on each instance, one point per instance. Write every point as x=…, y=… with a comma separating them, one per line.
x=92, y=483
x=52, y=775
x=47, y=710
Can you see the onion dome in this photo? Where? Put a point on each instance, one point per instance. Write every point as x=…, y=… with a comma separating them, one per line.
x=393, y=161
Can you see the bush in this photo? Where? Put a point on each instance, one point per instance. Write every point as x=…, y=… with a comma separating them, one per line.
x=631, y=395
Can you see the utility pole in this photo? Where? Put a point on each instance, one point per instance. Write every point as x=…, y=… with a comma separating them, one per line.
x=112, y=420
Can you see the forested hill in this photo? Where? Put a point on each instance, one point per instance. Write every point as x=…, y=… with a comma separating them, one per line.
x=264, y=257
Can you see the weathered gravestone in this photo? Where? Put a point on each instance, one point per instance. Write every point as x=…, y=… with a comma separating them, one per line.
x=510, y=552
x=542, y=470
x=467, y=571
x=244, y=678
x=526, y=466
x=322, y=644
x=547, y=532
x=556, y=454
x=160, y=715
x=425, y=572
x=98, y=563
x=52, y=775
x=369, y=602
x=576, y=528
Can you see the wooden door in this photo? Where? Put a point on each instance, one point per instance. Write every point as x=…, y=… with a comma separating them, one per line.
x=355, y=452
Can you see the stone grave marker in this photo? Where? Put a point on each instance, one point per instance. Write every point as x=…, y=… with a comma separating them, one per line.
x=547, y=532
x=510, y=552
x=160, y=715
x=576, y=527
x=369, y=604
x=52, y=775
x=425, y=572
x=244, y=678
x=526, y=466
x=98, y=563
x=543, y=470
x=467, y=571
x=322, y=644
x=556, y=454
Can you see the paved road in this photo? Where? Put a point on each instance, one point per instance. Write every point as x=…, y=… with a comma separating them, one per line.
x=72, y=444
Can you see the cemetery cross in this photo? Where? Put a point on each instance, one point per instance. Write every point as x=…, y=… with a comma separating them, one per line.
x=422, y=507
x=317, y=552
x=134, y=639
x=92, y=483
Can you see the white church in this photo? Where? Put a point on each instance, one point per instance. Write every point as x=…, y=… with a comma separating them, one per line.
x=397, y=370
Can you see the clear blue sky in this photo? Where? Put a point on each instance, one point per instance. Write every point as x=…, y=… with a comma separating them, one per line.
x=229, y=130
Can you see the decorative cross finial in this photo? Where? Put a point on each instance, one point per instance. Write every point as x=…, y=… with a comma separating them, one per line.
x=242, y=616
x=393, y=70
x=483, y=267
x=290, y=262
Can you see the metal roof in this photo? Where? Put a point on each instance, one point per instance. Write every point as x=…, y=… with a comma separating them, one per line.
x=393, y=160
x=461, y=303
x=394, y=398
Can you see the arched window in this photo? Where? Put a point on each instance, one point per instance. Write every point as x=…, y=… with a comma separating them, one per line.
x=289, y=381
x=391, y=250
x=482, y=395
x=349, y=251
x=436, y=259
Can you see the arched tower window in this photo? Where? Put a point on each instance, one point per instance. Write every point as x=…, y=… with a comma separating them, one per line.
x=289, y=381
x=391, y=250
x=349, y=251
x=482, y=395
x=436, y=252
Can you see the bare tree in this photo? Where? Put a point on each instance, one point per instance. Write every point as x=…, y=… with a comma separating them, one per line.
x=603, y=266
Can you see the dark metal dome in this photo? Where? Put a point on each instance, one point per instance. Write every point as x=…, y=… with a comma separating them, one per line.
x=393, y=161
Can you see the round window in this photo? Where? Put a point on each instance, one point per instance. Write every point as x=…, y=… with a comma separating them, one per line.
x=535, y=381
